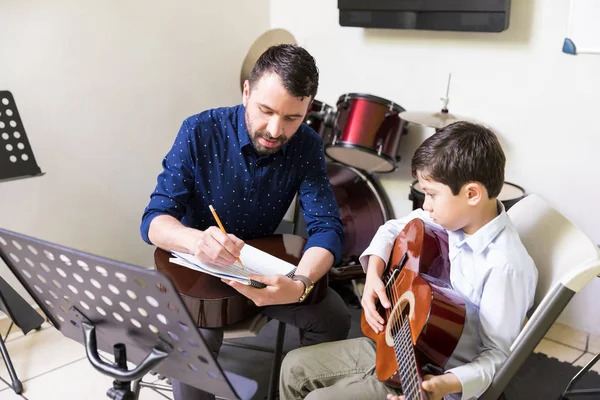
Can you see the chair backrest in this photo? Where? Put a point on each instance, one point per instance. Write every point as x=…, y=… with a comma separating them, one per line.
x=566, y=260
x=559, y=249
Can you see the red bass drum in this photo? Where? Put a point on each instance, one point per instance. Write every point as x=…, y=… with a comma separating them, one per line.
x=363, y=207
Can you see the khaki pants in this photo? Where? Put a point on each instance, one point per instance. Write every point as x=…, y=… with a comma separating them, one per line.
x=325, y=321
x=331, y=371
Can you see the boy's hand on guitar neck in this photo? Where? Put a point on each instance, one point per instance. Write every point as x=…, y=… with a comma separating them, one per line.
x=436, y=387
x=374, y=292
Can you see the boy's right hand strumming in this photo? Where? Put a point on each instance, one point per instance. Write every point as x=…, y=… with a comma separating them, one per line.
x=373, y=292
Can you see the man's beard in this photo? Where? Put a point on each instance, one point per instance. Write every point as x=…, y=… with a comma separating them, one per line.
x=255, y=135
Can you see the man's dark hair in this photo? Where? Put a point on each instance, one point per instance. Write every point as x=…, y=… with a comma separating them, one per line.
x=293, y=64
x=460, y=153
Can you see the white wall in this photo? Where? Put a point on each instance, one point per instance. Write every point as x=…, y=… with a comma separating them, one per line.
x=541, y=102
x=102, y=89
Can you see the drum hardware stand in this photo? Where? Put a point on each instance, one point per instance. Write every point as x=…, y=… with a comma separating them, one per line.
x=334, y=141
x=446, y=100
x=329, y=119
x=358, y=290
x=346, y=100
x=134, y=312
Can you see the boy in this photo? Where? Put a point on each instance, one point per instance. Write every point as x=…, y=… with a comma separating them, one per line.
x=461, y=170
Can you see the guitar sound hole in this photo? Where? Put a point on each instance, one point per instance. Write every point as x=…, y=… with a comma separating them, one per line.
x=399, y=318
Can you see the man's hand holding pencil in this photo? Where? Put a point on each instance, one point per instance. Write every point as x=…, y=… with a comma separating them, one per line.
x=216, y=246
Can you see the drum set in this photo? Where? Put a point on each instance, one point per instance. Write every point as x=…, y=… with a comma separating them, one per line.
x=362, y=136
x=364, y=132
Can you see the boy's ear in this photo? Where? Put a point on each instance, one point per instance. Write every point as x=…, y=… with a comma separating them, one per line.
x=474, y=191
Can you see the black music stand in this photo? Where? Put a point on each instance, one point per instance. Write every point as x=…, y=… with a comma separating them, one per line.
x=16, y=161
x=112, y=306
x=16, y=156
x=24, y=316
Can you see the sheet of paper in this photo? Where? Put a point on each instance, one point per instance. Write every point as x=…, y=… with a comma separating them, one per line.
x=187, y=264
x=254, y=261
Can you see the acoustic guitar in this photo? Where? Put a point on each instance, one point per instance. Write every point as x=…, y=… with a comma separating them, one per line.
x=214, y=304
x=425, y=322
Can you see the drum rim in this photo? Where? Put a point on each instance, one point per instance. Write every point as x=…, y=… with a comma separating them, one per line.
x=367, y=149
x=524, y=193
x=370, y=180
x=412, y=186
x=366, y=96
x=323, y=106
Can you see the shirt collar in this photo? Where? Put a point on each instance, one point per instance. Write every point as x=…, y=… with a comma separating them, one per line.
x=242, y=130
x=244, y=135
x=481, y=239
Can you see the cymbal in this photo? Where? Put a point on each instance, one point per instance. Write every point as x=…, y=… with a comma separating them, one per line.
x=436, y=120
x=264, y=41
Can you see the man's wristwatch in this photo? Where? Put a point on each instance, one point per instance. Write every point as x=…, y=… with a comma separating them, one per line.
x=308, y=286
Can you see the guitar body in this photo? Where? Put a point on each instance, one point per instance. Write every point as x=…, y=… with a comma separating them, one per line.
x=214, y=304
x=418, y=276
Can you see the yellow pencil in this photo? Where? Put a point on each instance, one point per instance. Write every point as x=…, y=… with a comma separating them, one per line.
x=214, y=213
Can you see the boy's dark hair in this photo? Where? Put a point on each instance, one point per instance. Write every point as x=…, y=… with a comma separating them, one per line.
x=293, y=64
x=460, y=153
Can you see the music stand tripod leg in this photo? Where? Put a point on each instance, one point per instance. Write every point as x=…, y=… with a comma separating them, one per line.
x=16, y=383
x=21, y=314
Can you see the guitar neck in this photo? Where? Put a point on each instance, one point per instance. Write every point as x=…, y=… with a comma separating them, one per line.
x=407, y=362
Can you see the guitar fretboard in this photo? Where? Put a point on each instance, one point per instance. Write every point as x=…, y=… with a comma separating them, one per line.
x=407, y=362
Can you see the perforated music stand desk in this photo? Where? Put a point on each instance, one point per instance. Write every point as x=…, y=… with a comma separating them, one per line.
x=16, y=155
x=109, y=305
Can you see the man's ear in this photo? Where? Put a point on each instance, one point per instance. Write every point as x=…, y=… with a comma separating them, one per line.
x=246, y=93
x=474, y=192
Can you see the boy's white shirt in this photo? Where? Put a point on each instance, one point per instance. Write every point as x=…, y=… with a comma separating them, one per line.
x=494, y=259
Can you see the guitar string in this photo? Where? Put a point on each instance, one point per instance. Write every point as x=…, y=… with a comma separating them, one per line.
x=403, y=347
x=411, y=358
x=402, y=364
x=396, y=324
x=410, y=382
x=390, y=291
x=405, y=353
x=407, y=383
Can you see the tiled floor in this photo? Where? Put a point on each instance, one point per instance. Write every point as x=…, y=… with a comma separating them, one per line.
x=51, y=366
x=54, y=367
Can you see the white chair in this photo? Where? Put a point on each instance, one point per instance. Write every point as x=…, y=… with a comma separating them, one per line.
x=566, y=259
